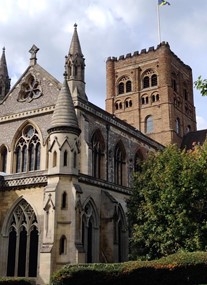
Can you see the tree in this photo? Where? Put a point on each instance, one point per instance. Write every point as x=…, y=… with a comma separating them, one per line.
x=201, y=84
x=168, y=205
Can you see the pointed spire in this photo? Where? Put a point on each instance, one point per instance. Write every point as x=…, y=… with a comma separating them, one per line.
x=75, y=67
x=75, y=47
x=4, y=76
x=64, y=116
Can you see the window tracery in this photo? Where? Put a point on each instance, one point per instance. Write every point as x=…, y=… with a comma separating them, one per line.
x=27, y=150
x=149, y=79
x=30, y=89
x=23, y=238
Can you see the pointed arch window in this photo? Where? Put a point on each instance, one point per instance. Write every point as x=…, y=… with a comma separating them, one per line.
x=3, y=158
x=65, y=158
x=90, y=232
x=27, y=150
x=119, y=164
x=22, y=241
x=54, y=159
x=149, y=124
x=64, y=200
x=120, y=233
x=98, y=149
x=177, y=126
x=63, y=245
x=138, y=159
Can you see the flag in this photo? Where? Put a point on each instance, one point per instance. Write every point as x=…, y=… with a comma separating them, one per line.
x=163, y=2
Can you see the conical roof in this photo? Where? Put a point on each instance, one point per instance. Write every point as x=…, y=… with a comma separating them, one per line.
x=75, y=47
x=64, y=116
x=3, y=65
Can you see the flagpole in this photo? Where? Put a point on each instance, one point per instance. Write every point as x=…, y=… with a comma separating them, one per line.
x=158, y=23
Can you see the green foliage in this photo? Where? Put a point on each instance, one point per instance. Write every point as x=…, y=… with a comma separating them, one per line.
x=201, y=84
x=168, y=206
x=180, y=268
x=15, y=281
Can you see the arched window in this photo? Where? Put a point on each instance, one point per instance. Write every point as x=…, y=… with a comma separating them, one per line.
x=74, y=159
x=3, y=158
x=177, y=126
x=121, y=88
x=149, y=124
x=54, y=159
x=146, y=82
x=98, y=147
x=65, y=158
x=138, y=159
x=119, y=164
x=154, y=80
x=64, y=200
x=22, y=241
x=128, y=86
x=90, y=231
x=120, y=232
x=63, y=245
x=27, y=150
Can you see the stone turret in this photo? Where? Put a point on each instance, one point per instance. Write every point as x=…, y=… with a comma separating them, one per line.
x=75, y=68
x=64, y=132
x=4, y=76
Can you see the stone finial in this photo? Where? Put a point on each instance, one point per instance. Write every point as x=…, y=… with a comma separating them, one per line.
x=33, y=58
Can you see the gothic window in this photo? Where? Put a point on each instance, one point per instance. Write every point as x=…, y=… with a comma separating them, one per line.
x=174, y=82
x=138, y=159
x=74, y=159
x=90, y=231
x=23, y=239
x=177, y=126
x=121, y=88
x=30, y=89
x=119, y=164
x=54, y=159
x=128, y=86
x=64, y=200
x=65, y=158
x=149, y=124
x=3, y=158
x=120, y=233
x=98, y=147
x=27, y=150
x=63, y=245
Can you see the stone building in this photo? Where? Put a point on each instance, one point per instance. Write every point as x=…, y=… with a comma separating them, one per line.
x=66, y=166
x=152, y=91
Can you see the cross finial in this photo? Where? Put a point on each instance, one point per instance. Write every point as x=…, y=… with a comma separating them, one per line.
x=33, y=58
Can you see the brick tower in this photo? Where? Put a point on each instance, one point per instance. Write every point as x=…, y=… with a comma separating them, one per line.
x=152, y=91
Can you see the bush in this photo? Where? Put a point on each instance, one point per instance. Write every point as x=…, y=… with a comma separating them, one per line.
x=177, y=269
x=15, y=281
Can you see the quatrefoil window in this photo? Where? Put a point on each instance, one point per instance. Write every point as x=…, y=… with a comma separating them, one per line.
x=30, y=90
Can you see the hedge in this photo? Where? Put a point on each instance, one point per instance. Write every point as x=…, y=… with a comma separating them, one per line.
x=15, y=281
x=177, y=269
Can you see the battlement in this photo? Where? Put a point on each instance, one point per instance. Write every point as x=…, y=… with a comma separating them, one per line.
x=151, y=49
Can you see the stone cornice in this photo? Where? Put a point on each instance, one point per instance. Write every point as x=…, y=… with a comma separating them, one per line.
x=27, y=114
x=20, y=181
x=104, y=184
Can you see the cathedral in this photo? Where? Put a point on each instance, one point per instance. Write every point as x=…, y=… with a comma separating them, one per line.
x=66, y=165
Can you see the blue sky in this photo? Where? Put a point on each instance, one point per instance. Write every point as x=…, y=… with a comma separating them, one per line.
x=106, y=28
